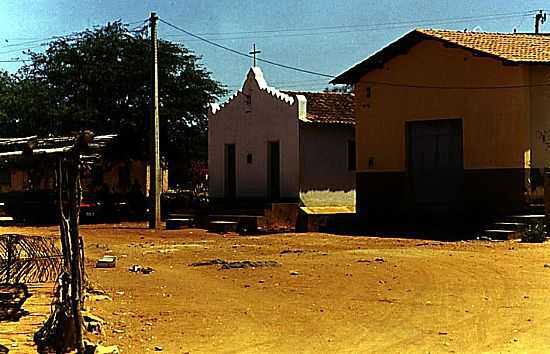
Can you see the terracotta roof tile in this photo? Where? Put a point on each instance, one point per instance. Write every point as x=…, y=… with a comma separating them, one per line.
x=328, y=107
x=509, y=46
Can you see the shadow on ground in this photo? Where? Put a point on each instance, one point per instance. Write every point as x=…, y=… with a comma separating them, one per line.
x=12, y=298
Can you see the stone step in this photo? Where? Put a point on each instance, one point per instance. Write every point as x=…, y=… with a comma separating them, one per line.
x=527, y=218
x=247, y=224
x=178, y=223
x=514, y=226
x=180, y=216
x=222, y=226
x=495, y=234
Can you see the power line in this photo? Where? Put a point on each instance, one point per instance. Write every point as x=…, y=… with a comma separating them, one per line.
x=244, y=54
x=24, y=49
x=379, y=26
x=47, y=40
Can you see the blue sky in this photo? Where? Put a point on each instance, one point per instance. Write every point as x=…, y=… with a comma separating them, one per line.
x=286, y=31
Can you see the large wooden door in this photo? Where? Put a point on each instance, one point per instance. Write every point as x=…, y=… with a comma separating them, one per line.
x=230, y=179
x=435, y=164
x=273, y=170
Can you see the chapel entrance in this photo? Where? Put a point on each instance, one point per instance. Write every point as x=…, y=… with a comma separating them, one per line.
x=230, y=178
x=273, y=170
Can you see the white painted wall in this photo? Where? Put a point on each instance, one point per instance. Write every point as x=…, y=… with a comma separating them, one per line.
x=271, y=116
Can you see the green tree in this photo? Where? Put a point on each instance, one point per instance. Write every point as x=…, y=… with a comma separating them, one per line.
x=99, y=79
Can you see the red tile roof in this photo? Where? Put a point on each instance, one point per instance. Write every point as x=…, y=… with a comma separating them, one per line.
x=510, y=47
x=328, y=107
x=520, y=48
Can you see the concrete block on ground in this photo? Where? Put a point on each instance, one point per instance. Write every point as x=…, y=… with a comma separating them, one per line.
x=222, y=226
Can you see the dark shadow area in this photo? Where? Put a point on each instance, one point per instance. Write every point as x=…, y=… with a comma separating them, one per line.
x=12, y=298
x=438, y=230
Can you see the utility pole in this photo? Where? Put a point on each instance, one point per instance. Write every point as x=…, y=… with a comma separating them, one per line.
x=540, y=18
x=154, y=156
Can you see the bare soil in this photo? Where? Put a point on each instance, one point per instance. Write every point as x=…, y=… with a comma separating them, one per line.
x=325, y=294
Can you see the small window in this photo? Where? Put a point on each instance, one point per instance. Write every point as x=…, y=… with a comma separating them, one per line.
x=351, y=155
x=249, y=158
x=248, y=101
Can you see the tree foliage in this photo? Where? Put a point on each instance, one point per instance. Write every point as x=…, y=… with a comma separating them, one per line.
x=99, y=79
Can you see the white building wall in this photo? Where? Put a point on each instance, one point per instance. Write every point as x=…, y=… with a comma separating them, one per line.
x=269, y=116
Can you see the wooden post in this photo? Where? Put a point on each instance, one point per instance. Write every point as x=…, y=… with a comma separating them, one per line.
x=76, y=261
x=547, y=198
x=154, y=192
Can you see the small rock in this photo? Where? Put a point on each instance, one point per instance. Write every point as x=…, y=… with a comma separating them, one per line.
x=379, y=259
x=547, y=266
x=261, y=281
x=294, y=273
x=147, y=270
x=135, y=268
x=158, y=348
x=107, y=350
x=443, y=333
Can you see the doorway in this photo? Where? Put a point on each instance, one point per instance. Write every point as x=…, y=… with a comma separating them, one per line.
x=230, y=178
x=435, y=164
x=273, y=170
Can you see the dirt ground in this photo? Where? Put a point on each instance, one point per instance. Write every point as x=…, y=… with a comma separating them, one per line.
x=329, y=294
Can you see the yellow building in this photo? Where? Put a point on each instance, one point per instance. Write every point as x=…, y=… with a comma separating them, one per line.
x=451, y=123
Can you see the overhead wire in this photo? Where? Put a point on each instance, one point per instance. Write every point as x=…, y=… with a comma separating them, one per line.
x=245, y=54
x=376, y=26
x=46, y=41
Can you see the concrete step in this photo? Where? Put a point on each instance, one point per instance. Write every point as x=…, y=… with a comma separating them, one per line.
x=527, y=218
x=513, y=226
x=537, y=208
x=495, y=234
x=222, y=226
x=178, y=223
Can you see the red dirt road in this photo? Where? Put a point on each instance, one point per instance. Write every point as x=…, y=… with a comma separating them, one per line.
x=349, y=295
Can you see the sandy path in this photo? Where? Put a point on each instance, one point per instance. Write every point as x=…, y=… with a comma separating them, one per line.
x=425, y=296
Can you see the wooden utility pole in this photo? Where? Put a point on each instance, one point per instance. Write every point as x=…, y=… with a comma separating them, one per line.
x=154, y=163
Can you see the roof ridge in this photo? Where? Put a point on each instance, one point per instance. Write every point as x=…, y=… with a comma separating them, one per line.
x=322, y=92
x=508, y=47
x=262, y=84
x=215, y=107
x=481, y=32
